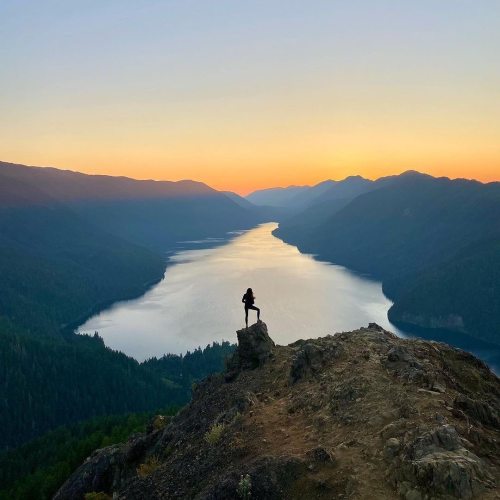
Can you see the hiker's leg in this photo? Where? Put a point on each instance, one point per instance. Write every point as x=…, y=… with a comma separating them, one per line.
x=255, y=308
x=246, y=316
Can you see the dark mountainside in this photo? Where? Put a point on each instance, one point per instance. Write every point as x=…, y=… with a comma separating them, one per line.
x=276, y=197
x=50, y=381
x=360, y=414
x=432, y=241
x=36, y=470
x=56, y=268
x=71, y=244
x=155, y=214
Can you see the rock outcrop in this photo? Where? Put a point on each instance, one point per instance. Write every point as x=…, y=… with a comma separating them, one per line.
x=362, y=414
x=255, y=346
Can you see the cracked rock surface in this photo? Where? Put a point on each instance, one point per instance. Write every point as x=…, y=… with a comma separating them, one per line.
x=361, y=414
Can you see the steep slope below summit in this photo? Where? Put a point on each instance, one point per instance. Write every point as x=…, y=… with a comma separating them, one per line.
x=362, y=414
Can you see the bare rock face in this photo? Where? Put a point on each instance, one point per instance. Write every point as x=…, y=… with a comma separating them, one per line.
x=255, y=346
x=354, y=415
x=478, y=410
x=438, y=463
x=105, y=469
x=310, y=358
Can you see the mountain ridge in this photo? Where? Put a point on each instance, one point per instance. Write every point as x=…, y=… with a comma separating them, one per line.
x=71, y=185
x=360, y=414
x=67, y=251
x=408, y=228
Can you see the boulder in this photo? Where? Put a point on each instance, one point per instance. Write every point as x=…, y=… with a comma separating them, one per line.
x=307, y=361
x=255, y=347
x=478, y=410
x=437, y=463
x=97, y=473
x=404, y=364
x=310, y=359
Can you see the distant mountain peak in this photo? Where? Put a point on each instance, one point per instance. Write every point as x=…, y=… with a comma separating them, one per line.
x=413, y=173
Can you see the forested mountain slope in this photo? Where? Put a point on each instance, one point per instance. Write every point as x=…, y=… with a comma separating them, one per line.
x=56, y=268
x=70, y=244
x=414, y=232
x=155, y=214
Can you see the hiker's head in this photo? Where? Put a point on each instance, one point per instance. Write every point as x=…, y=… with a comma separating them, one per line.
x=249, y=291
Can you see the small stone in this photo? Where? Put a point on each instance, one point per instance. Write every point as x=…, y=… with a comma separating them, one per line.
x=392, y=447
x=438, y=387
x=440, y=418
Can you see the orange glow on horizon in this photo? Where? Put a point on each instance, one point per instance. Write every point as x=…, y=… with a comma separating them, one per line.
x=246, y=179
x=253, y=95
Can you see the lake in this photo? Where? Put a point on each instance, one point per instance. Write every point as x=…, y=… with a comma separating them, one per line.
x=199, y=299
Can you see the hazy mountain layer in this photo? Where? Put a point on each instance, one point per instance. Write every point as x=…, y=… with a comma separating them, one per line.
x=155, y=214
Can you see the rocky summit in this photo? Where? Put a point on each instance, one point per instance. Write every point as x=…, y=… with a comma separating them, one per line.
x=361, y=414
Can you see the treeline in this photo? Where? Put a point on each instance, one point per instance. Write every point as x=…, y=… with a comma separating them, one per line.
x=36, y=470
x=193, y=366
x=46, y=382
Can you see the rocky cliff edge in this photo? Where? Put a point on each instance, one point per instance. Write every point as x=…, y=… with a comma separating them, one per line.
x=361, y=414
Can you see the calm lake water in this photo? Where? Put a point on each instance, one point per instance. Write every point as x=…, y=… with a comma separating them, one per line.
x=199, y=299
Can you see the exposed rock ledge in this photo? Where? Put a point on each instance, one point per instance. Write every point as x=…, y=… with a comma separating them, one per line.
x=362, y=414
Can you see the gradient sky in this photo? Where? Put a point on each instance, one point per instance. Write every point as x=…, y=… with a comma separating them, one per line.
x=248, y=94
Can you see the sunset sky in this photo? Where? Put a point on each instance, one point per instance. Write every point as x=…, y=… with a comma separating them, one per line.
x=246, y=94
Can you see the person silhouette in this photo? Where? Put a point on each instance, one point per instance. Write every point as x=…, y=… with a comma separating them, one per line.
x=249, y=299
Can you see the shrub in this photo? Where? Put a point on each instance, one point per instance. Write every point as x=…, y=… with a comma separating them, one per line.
x=97, y=496
x=244, y=489
x=159, y=422
x=214, y=434
x=148, y=467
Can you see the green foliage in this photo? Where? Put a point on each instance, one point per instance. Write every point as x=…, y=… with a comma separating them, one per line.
x=51, y=381
x=213, y=435
x=186, y=370
x=63, y=255
x=54, y=381
x=159, y=422
x=244, y=489
x=37, y=469
x=56, y=269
